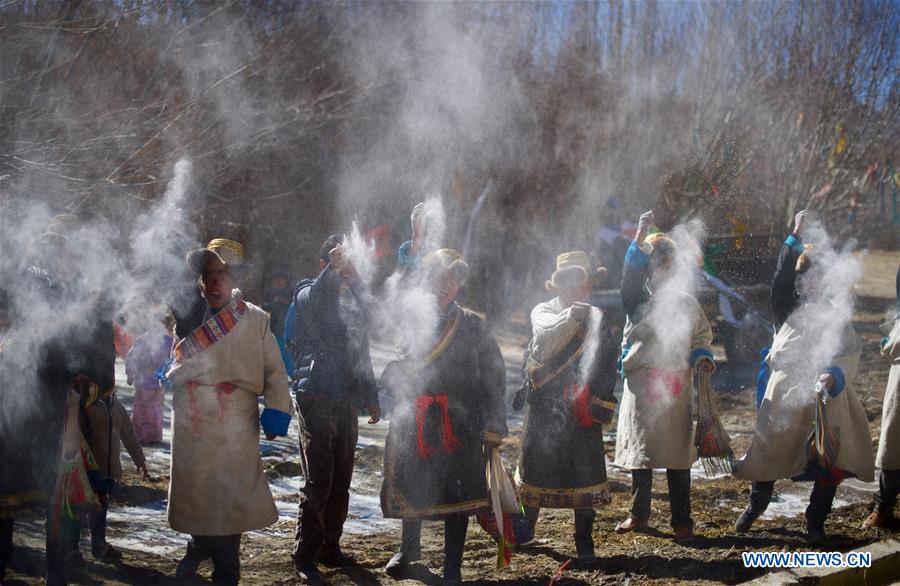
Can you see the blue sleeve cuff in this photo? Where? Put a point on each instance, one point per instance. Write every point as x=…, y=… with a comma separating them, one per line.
x=794, y=243
x=699, y=354
x=839, y=381
x=160, y=374
x=636, y=257
x=275, y=421
x=404, y=258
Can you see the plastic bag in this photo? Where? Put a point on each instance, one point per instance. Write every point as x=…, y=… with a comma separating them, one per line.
x=73, y=494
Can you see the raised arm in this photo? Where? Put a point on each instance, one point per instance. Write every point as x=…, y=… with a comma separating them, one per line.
x=323, y=291
x=634, y=272
x=784, y=298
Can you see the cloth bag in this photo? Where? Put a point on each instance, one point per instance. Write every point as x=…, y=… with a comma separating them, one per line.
x=824, y=444
x=711, y=439
x=504, y=501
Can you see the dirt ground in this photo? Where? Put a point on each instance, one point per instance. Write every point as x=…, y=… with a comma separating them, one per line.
x=647, y=558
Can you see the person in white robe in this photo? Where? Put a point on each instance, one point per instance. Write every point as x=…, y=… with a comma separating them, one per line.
x=666, y=337
x=217, y=487
x=888, y=458
x=804, y=371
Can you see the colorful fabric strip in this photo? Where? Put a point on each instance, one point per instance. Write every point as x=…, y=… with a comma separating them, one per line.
x=210, y=332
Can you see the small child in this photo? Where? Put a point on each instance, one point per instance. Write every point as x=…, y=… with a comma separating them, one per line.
x=105, y=424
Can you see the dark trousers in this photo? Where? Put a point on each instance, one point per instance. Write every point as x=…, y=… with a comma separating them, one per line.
x=455, y=528
x=225, y=552
x=97, y=522
x=679, y=495
x=328, y=434
x=6, y=543
x=888, y=489
x=817, y=511
x=584, y=525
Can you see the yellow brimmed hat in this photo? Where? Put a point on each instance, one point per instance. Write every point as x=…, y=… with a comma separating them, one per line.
x=444, y=260
x=575, y=263
x=219, y=254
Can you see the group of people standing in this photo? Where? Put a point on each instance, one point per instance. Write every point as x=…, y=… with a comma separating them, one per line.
x=448, y=413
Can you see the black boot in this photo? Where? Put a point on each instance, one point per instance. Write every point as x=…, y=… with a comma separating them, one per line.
x=815, y=531
x=454, y=544
x=745, y=521
x=191, y=561
x=760, y=496
x=410, y=549
x=584, y=541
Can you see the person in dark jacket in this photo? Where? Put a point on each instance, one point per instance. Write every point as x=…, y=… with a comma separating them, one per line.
x=448, y=413
x=332, y=378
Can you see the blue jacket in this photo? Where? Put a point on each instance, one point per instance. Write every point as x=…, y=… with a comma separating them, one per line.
x=330, y=342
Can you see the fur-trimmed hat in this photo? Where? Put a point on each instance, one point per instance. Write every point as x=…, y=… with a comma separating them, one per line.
x=572, y=268
x=805, y=260
x=219, y=254
x=443, y=260
x=662, y=243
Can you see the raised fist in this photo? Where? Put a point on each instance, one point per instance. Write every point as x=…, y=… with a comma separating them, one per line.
x=644, y=223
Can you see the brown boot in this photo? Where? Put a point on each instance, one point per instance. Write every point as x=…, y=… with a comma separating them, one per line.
x=684, y=534
x=631, y=524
